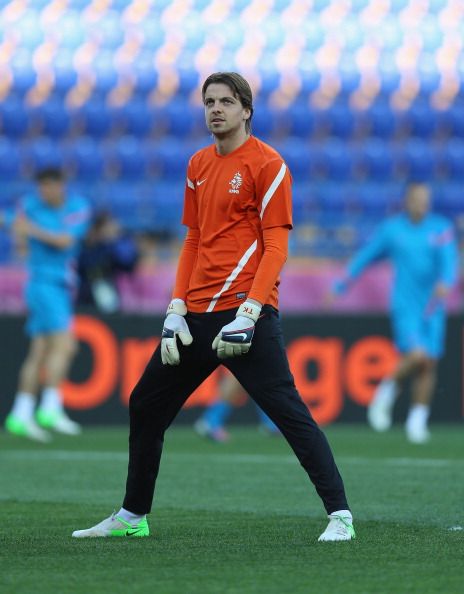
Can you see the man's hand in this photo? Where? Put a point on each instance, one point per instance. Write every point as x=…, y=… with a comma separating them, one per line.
x=235, y=338
x=174, y=325
x=21, y=226
x=441, y=291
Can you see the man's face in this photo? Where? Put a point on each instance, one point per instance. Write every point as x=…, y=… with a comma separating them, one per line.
x=223, y=112
x=418, y=202
x=52, y=191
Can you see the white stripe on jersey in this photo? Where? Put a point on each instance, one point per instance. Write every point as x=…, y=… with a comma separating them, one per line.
x=233, y=275
x=272, y=188
x=190, y=184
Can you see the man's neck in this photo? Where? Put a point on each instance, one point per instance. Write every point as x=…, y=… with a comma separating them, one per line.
x=226, y=144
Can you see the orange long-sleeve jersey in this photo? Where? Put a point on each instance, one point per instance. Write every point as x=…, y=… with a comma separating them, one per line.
x=238, y=210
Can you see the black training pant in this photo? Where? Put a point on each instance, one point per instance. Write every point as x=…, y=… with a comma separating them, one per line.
x=265, y=375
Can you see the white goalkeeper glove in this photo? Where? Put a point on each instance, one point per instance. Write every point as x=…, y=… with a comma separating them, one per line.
x=235, y=338
x=174, y=325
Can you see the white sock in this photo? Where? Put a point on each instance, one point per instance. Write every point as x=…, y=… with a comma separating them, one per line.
x=128, y=516
x=418, y=415
x=51, y=400
x=386, y=392
x=23, y=406
x=344, y=513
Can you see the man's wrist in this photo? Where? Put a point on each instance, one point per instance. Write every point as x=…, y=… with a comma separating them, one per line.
x=177, y=306
x=249, y=309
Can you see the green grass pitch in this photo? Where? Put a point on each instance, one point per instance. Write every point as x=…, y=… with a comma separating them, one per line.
x=235, y=518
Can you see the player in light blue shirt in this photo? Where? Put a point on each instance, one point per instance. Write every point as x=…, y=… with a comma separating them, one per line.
x=423, y=252
x=49, y=224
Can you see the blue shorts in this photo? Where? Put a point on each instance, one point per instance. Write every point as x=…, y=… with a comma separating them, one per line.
x=420, y=332
x=50, y=308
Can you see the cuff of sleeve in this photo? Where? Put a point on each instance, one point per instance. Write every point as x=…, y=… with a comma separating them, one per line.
x=177, y=306
x=249, y=310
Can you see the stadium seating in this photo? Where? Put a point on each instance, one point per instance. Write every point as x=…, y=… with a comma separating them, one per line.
x=356, y=106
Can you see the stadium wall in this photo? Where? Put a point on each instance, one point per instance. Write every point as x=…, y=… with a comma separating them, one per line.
x=336, y=362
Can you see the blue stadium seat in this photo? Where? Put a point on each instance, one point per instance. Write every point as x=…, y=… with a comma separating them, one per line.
x=146, y=77
x=451, y=121
x=352, y=33
x=340, y=120
x=110, y=31
x=376, y=159
x=64, y=72
x=452, y=154
x=380, y=119
x=28, y=29
x=168, y=158
x=332, y=198
x=449, y=199
x=14, y=117
x=70, y=30
x=195, y=33
x=95, y=117
x=349, y=73
x=43, y=152
x=274, y=33
x=388, y=72
x=432, y=34
x=135, y=118
x=339, y=159
x=178, y=116
x=416, y=158
x=188, y=75
x=154, y=34
x=10, y=160
x=52, y=118
x=420, y=119
x=105, y=71
x=127, y=158
x=270, y=77
x=310, y=75
x=263, y=122
x=296, y=153
x=376, y=198
x=429, y=74
x=301, y=119
x=24, y=74
x=120, y=5
x=168, y=200
x=85, y=159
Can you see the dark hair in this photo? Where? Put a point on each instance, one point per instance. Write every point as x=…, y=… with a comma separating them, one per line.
x=52, y=173
x=240, y=87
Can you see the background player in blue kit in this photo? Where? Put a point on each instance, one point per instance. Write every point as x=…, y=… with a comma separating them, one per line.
x=423, y=252
x=50, y=224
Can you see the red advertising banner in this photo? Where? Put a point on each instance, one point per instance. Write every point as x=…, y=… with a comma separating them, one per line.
x=336, y=361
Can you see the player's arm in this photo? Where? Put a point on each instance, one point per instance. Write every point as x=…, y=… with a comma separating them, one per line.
x=448, y=259
x=25, y=228
x=376, y=249
x=175, y=325
x=187, y=260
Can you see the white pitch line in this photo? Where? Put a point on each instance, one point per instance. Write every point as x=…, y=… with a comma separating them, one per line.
x=65, y=455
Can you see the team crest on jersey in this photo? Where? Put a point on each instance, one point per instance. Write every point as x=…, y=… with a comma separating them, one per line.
x=235, y=183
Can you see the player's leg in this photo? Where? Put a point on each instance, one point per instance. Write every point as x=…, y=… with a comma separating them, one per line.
x=56, y=323
x=406, y=332
x=21, y=419
x=265, y=374
x=212, y=422
x=423, y=385
x=60, y=350
x=153, y=405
